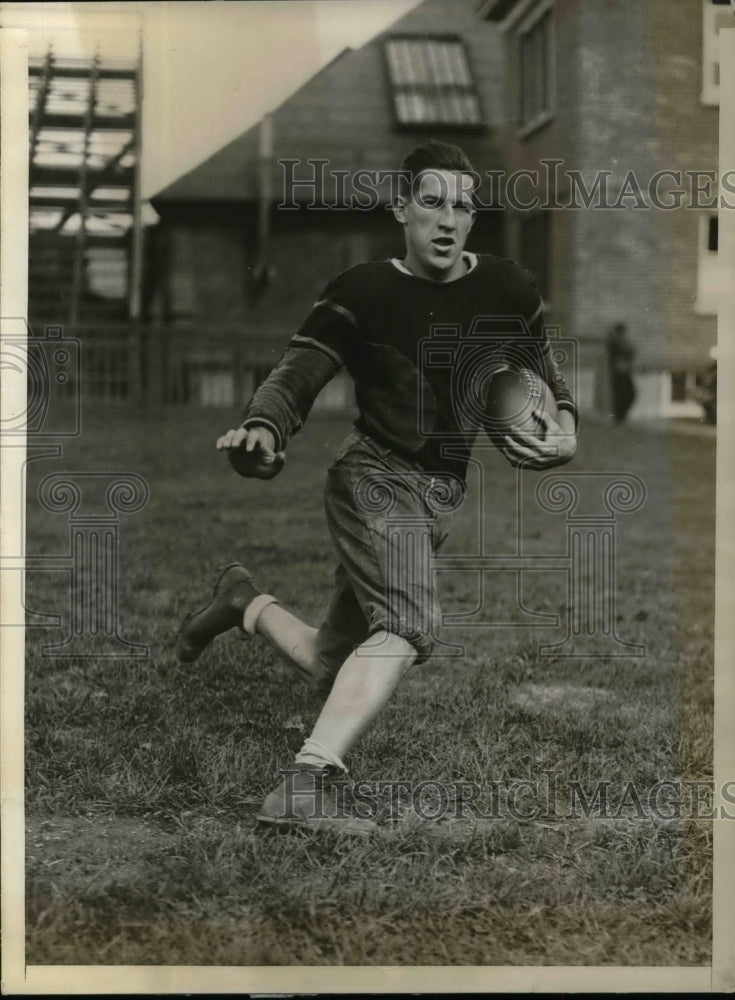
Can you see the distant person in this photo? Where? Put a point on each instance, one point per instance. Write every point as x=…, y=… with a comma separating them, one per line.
x=620, y=357
x=705, y=392
x=373, y=318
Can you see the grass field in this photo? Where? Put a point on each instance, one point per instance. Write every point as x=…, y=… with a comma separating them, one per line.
x=143, y=775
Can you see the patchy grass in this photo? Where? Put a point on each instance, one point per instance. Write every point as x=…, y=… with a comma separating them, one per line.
x=143, y=775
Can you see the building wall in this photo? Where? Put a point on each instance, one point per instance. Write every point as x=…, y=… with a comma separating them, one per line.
x=209, y=276
x=642, y=111
x=687, y=135
x=628, y=83
x=207, y=287
x=197, y=269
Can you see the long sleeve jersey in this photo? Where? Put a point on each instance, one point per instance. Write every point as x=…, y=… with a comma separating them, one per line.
x=421, y=353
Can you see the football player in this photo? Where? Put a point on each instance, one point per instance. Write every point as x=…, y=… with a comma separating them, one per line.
x=404, y=462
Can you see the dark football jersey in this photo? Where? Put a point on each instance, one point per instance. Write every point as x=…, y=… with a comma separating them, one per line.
x=422, y=354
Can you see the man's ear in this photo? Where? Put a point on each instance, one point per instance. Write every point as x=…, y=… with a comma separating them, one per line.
x=399, y=208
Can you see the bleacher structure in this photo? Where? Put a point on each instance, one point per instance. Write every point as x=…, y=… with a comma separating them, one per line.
x=85, y=239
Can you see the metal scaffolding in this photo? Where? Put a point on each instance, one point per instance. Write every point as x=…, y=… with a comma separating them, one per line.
x=85, y=219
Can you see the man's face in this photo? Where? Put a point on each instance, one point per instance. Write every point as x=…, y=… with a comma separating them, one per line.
x=437, y=217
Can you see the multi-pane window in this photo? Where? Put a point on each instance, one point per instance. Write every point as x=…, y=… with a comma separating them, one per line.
x=716, y=14
x=536, y=67
x=432, y=81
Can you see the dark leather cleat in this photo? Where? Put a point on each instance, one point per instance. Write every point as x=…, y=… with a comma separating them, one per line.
x=233, y=591
x=308, y=798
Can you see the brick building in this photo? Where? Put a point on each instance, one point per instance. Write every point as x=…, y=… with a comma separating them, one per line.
x=623, y=87
x=631, y=89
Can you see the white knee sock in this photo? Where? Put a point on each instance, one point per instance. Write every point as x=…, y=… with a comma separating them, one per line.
x=319, y=755
x=252, y=611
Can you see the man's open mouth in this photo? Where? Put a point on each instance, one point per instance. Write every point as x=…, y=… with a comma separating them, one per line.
x=443, y=243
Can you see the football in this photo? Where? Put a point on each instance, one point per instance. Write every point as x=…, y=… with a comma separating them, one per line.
x=512, y=397
x=250, y=465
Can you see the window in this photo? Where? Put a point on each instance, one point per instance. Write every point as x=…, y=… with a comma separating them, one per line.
x=536, y=85
x=432, y=82
x=708, y=272
x=716, y=14
x=106, y=272
x=713, y=232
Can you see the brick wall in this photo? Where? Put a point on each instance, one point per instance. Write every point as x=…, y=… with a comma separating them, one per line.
x=628, y=81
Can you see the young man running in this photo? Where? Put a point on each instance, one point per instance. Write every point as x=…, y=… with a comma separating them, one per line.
x=406, y=458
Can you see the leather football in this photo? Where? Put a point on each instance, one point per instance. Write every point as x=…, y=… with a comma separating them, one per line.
x=513, y=395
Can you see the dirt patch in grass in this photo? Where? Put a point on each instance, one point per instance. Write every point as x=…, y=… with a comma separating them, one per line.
x=68, y=851
x=570, y=697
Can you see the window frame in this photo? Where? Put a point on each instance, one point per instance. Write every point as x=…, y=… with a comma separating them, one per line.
x=522, y=29
x=395, y=89
x=710, y=94
x=681, y=382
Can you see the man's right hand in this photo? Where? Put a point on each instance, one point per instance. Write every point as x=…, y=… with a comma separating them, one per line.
x=251, y=451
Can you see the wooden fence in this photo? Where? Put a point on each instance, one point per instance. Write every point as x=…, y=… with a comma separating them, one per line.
x=185, y=367
x=220, y=367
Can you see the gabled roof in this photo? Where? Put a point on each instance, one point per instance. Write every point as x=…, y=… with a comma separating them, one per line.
x=231, y=174
x=344, y=115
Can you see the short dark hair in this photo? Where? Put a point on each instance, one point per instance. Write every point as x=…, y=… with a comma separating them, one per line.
x=435, y=155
